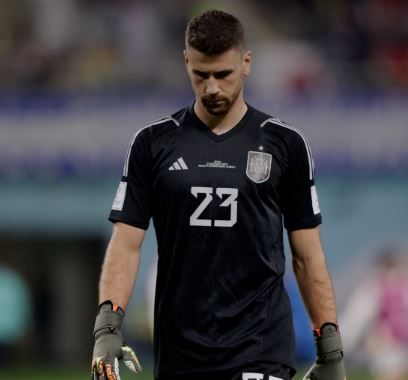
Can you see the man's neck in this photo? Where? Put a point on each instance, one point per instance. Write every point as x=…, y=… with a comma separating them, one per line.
x=223, y=123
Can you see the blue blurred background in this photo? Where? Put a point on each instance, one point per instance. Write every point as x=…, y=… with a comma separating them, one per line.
x=79, y=77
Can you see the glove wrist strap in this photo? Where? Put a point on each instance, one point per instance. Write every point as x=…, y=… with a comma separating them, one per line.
x=110, y=316
x=328, y=339
x=329, y=344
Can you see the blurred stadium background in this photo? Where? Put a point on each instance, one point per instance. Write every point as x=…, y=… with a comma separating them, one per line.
x=79, y=77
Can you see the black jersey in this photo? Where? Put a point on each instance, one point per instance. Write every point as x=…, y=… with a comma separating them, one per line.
x=219, y=204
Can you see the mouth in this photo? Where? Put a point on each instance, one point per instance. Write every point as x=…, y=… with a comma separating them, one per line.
x=213, y=102
x=216, y=107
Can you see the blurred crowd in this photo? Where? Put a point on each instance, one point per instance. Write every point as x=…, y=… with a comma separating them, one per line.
x=376, y=315
x=302, y=46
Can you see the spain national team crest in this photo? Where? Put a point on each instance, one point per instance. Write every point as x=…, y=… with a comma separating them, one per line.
x=258, y=166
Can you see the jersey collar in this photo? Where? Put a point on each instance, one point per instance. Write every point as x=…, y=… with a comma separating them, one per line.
x=224, y=136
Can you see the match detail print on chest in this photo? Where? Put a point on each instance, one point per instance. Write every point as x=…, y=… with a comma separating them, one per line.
x=214, y=180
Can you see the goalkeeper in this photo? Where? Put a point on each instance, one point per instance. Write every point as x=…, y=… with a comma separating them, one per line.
x=220, y=180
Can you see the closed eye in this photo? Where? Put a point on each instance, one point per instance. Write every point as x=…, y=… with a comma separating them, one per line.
x=222, y=74
x=217, y=75
x=201, y=74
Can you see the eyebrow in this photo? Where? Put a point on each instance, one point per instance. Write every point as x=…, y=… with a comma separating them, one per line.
x=217, y=74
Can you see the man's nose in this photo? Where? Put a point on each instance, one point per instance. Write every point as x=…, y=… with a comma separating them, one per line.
x=212, y=87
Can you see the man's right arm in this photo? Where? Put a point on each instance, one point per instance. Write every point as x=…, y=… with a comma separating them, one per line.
x=121, y=264
x=118, y=277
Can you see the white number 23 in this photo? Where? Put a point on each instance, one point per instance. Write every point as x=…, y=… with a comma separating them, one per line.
x=230, y=201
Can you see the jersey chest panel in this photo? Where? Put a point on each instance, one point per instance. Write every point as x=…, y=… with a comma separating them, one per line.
x=214, y=180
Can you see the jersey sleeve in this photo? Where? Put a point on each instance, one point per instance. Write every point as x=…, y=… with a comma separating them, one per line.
x=300, y=203
x=132, y=203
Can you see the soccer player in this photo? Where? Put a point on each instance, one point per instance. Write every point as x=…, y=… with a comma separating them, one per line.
x=221, y=180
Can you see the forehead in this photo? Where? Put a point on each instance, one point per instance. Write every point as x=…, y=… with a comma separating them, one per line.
x=202, y=62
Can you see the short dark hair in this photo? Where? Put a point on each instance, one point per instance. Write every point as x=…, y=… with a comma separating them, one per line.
x=214, y=32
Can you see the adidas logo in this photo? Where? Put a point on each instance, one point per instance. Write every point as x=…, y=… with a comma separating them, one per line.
x=179, y=165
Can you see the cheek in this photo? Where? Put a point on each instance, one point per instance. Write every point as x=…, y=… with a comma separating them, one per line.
x=196, y=85
x=234, y=84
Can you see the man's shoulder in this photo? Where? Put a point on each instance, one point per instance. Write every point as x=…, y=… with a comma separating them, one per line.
x=173, y=120
x=162, y=126
x=275, y=125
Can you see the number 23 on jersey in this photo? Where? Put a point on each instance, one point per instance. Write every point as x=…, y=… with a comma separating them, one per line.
x=230, y=201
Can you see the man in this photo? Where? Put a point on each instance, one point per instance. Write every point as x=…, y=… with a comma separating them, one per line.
x=218, y=178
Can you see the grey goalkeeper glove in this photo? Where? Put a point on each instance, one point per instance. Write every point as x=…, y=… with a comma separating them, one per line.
x=109, y=345
x=329, y=364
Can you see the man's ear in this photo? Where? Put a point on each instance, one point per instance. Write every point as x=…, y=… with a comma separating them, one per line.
x=185, y=57
x=247, y=60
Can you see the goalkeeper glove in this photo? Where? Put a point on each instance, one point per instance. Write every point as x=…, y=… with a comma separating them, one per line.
x=110, y=346
x=329, y=364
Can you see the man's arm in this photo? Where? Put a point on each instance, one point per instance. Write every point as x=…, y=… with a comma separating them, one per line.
x=309, y=265
x=121, y=264
x=118, y=277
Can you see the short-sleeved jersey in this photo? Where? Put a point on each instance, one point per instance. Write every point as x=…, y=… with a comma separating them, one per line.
x=219, y=204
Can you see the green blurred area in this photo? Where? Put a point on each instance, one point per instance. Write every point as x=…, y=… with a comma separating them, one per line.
x=61, y=374
x=80, y=374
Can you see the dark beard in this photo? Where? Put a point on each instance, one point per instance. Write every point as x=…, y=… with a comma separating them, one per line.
x=224, y=105
x=217, y=107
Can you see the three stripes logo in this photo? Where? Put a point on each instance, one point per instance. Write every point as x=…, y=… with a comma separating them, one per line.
x=179, y=165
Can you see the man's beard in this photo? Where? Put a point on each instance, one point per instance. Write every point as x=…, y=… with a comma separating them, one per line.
x=217, y=106
x=220, y=105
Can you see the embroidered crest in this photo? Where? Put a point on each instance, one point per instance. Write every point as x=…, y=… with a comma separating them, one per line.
x=258, y=166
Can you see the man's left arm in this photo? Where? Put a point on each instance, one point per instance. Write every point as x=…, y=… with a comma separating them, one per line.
x=316, y=288
x=312, y=275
